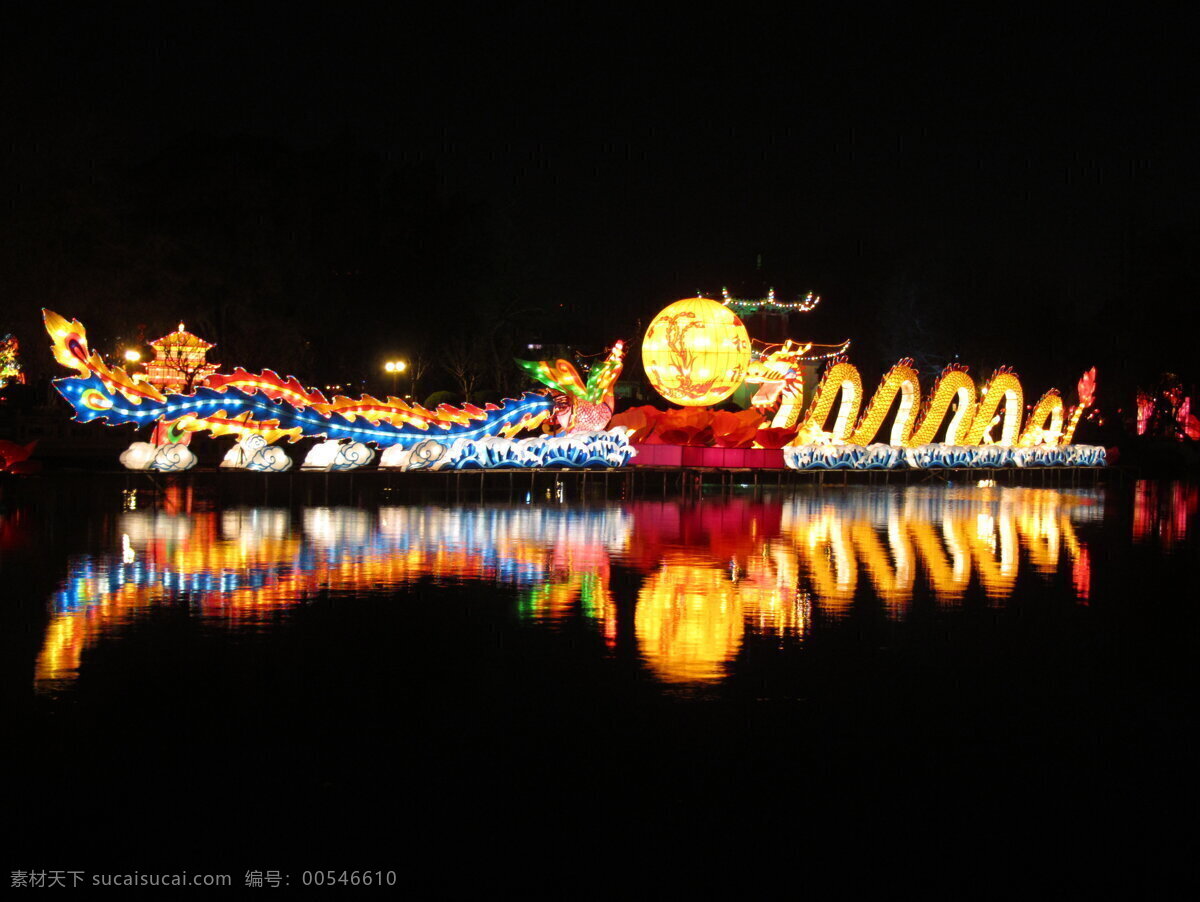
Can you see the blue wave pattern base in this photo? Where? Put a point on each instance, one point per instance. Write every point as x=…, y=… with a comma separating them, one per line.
x=924, y=457
x=572, y=449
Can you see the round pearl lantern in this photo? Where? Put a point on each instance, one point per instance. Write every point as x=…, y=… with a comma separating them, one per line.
x=696, y=352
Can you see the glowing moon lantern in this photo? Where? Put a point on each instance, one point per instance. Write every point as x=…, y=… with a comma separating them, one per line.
x=696, y=352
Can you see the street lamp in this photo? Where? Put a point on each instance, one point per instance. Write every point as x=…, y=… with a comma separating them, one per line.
x=395, y=367
x=132, y=358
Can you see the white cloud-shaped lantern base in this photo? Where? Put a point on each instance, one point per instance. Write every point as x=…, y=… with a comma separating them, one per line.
x=172, y=458
x=334, y=456
x=253, y=453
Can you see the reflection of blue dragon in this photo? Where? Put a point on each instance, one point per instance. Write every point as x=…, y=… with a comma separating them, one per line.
x=265, y=405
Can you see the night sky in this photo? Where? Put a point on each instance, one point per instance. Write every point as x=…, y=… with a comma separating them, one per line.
x=315, y=189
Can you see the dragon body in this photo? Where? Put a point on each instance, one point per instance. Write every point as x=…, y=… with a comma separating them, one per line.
x=232, y=411
x=955, y=409
x=264, y=404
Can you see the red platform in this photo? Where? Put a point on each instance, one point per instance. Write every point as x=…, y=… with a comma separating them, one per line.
x=722, y=458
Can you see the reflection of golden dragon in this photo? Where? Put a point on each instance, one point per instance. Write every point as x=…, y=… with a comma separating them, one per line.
x=980, y=530
x=972, y=415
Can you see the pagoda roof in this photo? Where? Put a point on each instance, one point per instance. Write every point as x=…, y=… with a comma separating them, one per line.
x=769, y=303
x=181, y=338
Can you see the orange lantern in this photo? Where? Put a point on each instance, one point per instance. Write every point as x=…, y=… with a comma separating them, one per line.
x=696, y=352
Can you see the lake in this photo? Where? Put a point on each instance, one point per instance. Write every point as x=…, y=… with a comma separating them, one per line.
x=265, y=686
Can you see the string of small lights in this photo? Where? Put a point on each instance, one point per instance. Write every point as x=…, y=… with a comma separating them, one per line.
x=744, y=305
x=827, y=352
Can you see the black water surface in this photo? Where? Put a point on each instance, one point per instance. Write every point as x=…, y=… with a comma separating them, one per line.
x=227, y=689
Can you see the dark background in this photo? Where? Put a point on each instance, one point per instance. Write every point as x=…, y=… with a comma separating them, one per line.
x=315, y=191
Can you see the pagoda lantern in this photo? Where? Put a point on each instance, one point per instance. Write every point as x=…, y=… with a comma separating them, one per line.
x=180, y=362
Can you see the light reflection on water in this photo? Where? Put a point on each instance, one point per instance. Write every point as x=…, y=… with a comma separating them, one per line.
x=1163, y=511
x=713, y=575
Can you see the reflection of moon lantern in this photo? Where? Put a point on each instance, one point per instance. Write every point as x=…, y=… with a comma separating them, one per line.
x=688, y=623
x=696, y=352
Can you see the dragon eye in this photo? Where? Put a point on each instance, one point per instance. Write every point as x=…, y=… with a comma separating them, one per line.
x=95, y=400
